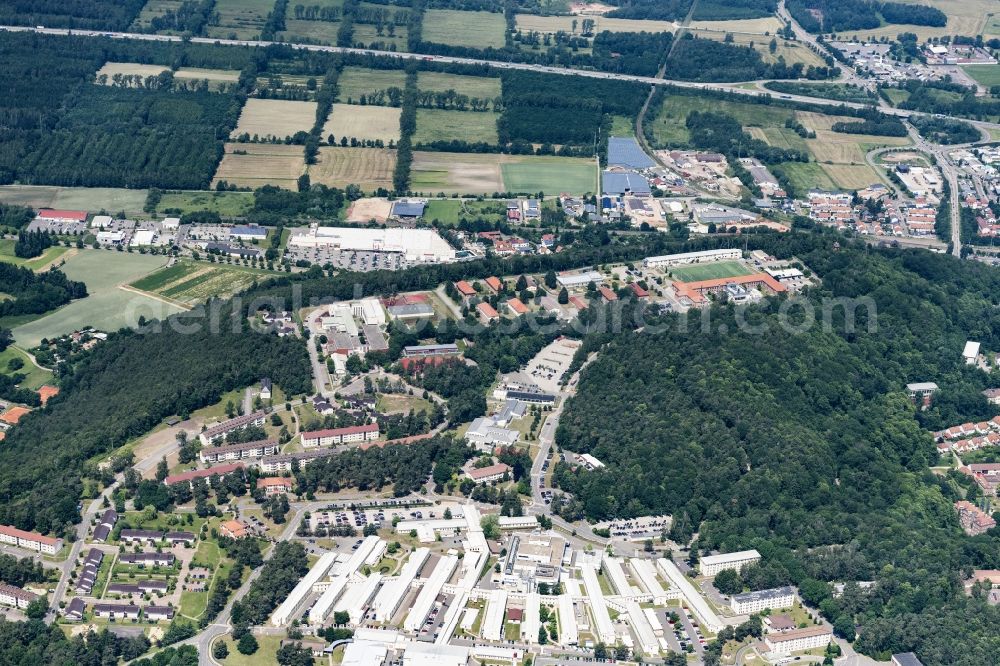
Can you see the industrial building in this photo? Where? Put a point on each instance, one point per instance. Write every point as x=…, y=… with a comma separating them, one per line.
x=415, y=245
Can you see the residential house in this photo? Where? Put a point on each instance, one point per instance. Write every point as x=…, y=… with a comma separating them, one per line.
x=974, y=521
x=117, y=611
x=488, y=474
x=487, y=313
x=233, y=529
x=15, y=597
x=104, y=526
x=143, y=560
x=188, y=477
x=275, y=485
x=516, y=307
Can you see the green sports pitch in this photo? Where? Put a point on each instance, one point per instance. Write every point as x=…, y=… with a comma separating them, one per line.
x=709, y=271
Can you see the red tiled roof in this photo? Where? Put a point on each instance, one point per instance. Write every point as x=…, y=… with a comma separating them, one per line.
x=201, y=473
x=487, y=310
x=484, y=472
x=274, y=482
x=392, y=442
x=638, y=291
x=53, y=213
x=30, y=536
x=608, y=294
x=517, y=306
x=493, y=283
x=464, y=288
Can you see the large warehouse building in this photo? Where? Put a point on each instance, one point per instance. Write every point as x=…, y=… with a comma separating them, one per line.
x=416, y=245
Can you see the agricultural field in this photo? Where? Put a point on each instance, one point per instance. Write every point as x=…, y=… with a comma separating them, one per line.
x=109, y=306
x=792, y=52
x=765, y=25
x=469, y=173
x=37, y=263
x=227, y=204
x=211, y=75
x=482, y=87
x=985, y=75
x=154, y=9
x=368, y=168
x=317, y=32
x=782, y=137
x=830, y=146
x=187, y=282
x=805, y=176
x=475, y=30
x=668, y=126
x=257, y=164
x=357, y=81
x=363, y=122
x=553, y=24
x=366, y=33
x=128, y=69
x=709, y=271
x=452, y=211
x=965, y=17
x=74, y=198
x=275, y=118
x=242, y=18
x=444, y=125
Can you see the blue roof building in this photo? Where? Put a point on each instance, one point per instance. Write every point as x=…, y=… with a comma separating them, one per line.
x=412, y=209
x=626, y=152
x=619, y=183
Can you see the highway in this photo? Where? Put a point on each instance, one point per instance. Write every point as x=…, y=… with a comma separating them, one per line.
x=731, y=87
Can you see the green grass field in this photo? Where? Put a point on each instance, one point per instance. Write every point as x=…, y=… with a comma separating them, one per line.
x=243, y=18
x=357, y=81
x=92, y=199
x=108, y=307
x=986, y=75
x=451, y=211
x=42, y=260
x=164, y=276
x=806, y=176
x=191, y=282
x=551, y=175
x=622, y=126
x=709, y=271
x=227, y=204
x=668, y=126
x=458, y=28
x=482, y=87
x=443, y=125
x=34, y=376
x=319, y=32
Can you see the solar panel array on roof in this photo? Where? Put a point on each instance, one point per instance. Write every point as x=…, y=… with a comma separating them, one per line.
x=620, y=183
x=408, y=209
x=627, y=152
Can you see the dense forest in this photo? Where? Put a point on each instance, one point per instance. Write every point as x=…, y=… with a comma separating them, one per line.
x=33, y=643
x=36, y=293
x=945, y=130
x=948, y=98
x=699, y=59
x=840, y=15
x=804, y=444
x=123, y=388
x=534, y=112
x=81, y=14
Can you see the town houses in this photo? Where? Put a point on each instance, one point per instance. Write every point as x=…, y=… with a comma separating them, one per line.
x=330, y=437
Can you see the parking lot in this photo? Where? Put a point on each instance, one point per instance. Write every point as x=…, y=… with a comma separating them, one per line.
x=350, y=260
x=547, y=368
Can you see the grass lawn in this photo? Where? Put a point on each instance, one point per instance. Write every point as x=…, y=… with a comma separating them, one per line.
x=34, y=376
x=669, y=129
x=319, y=32
x=897, y=96
x=622, y=126
x=445, y=125
x=357, y=81
x=217, y=412
x=227, y=204
x=805, y=176
x=452, y=211
x=457, y=28
x=189, y=282
x=243, y=18
x=42, y=260
x=264, y=656
x=483, y=87
x=400, y=402
x=987, y=75
x=709, y=271
x=108, y=307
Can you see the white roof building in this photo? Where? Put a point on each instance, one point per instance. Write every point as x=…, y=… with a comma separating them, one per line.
x=421, y=607
x=605, y=631
x=692, y=257
x=569, y=633
x=283, y=614
x=357, y=596
x=496, y=607
x=364, y=653
x=710, y=565
x=391, y=595
x=971, y=352
x=417, y=245
x=702, y=611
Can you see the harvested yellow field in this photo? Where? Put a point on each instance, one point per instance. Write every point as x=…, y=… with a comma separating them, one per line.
x=363, y=122
x=839, y=148
x=127, y=69
x=217, y=75
x=275, y=118
x=368, y=168
x=768, y=24
x=457, y=173
x=553, y=24
x=258, y=164
x=791, y=51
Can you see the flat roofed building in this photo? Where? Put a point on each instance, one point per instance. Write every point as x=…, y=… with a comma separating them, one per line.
x=754, y=602
x=971, y=352
x=329, y=437
x=627, y=182
x=906, y=659
x=578, y=279
x=416, y=245
x=692, y=258
x=797, y=640
x=626, y=152
x=484, y=434
x=417, y=351
x=710, y=565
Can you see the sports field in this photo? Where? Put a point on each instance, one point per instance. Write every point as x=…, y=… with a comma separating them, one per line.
x=368, y=168
x=243, y=18
x=363, y=122
x=482, y=87
x=476, y=30
x=188, y=282
x=74, y=198
x=709, y=271
x=107, y=307
x=442, y=125
x=258, y=164
x=357, y=81
x=471, y=173
x=275, y=117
